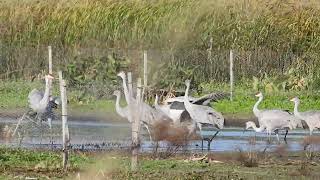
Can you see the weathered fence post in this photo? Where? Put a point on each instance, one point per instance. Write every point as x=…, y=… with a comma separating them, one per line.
x=50, y=59
x=145, y=72
x=136, y=127
x=231, y=75
x=130, y=84
x=65, y=131
x=50, y=90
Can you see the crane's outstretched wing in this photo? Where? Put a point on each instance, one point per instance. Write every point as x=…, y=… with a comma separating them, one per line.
x=206, y=99
x=35, y=97
x=178, y=99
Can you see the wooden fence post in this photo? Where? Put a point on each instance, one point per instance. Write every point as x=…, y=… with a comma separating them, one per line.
x=65, y=131
x=231, y=75
x=50, y=59
x=136, y=127
x=130, y=84
x=145, y=72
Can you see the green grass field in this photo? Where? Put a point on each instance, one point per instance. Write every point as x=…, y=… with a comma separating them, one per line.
x=20, y=163
x=35, y=163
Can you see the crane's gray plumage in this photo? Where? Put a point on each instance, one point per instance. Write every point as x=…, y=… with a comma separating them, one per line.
x=312, y=118
x=35, y=96
x=202, y=115
x=164, y=108
x=271, y=125
x=170, y=110
x=174, y=107
x=177, y=99
x=273, y=120
x=42, y=103
x=203, y=100
x=122, y=111
x=149, y=115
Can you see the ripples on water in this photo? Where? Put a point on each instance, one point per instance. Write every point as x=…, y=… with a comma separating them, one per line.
x=94, y=136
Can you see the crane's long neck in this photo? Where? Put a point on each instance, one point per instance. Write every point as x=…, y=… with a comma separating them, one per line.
x=125, y=89
x=118, y=108
x=255, y=128
x=256, y=111
x=295, y=110
x=186, y=101
x=45, y=100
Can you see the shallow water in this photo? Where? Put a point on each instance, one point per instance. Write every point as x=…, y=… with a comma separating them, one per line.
x=90, y=135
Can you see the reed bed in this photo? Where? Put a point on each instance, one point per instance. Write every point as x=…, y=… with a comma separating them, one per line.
x=285, y=33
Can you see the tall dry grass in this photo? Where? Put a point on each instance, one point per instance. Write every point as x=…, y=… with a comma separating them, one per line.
x=283, y=32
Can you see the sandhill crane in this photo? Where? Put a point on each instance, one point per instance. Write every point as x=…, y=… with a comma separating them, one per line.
x=175, y=109
x=270, y=125
x=273, y=119
x=122, y=111
x=203, y=115
x=41, y=103
x=312, y=118
x=149, y=115
x=38, y=101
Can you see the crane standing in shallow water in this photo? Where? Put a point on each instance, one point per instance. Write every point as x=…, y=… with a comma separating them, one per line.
x=272, y=120
x=42, y=103
x=175, y=109
x=312, y=118
x=149, y=115
x=203, y=115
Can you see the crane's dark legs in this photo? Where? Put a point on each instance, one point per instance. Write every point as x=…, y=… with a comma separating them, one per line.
x=210, y=140
x=269, y=137
x=201, y=143
x=200, y=128
x=157, y=146
x=285, y=136
x=277, y=134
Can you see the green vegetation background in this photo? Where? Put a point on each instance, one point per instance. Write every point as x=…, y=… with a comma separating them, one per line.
x=276, y=46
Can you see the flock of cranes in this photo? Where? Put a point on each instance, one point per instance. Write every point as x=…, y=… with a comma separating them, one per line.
x=176, y=110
